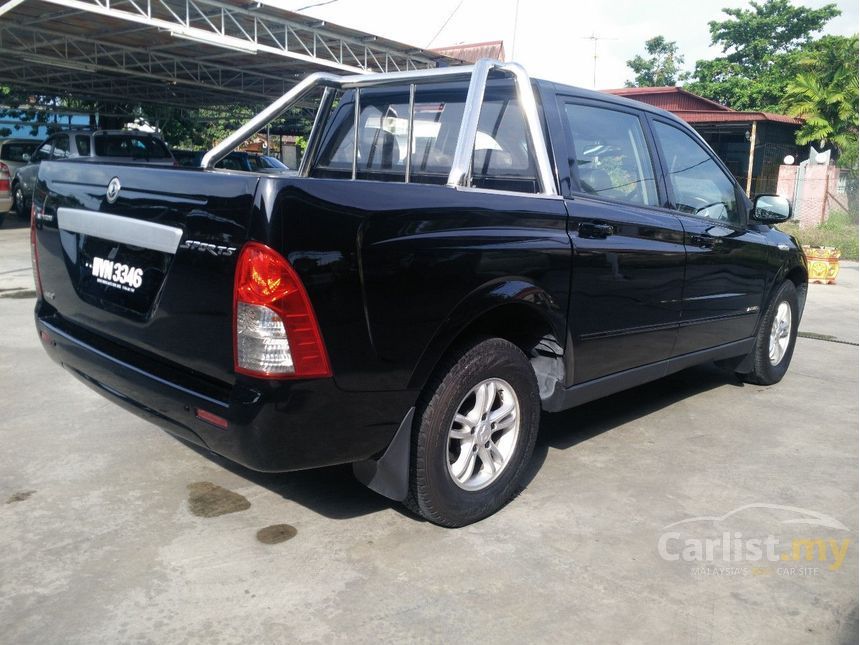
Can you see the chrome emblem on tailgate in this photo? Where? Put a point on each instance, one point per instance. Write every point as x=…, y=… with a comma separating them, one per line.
x=113, y=190
x=213, y=249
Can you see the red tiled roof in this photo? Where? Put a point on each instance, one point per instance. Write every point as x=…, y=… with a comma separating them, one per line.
x=669, y=98
x=694, y=108
x=715, y=116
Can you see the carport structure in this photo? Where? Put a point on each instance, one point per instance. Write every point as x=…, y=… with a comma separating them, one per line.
x=182, y=53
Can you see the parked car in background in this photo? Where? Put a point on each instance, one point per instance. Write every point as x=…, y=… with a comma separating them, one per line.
x=236, y=160
x=105, y=145
x=13, y=155
x=458, y=253
x=268, y=165
x=187, y=158
x=15, y=152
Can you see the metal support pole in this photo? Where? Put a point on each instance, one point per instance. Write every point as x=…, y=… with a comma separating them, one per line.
x=751, y=159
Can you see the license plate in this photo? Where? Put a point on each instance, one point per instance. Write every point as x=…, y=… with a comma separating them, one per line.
x=117, y=275
x=120, y=278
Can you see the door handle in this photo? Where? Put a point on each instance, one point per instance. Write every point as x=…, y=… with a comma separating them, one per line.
x=595, y=230
x=704, y=241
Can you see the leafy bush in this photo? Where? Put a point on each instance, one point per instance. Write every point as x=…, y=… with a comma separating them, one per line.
x=838, y=231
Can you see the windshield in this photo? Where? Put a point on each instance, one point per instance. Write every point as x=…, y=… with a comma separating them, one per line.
x=270, y=162
x=127, y=145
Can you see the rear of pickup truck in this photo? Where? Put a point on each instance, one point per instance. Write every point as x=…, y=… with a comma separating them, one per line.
x=157, y=288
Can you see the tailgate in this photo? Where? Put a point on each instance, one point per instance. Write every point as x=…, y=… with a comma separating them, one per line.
x=145, y=256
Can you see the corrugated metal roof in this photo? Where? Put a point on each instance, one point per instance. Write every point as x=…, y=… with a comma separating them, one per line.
x=471, y=52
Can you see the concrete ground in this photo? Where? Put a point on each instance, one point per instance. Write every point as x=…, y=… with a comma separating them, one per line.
x=112, y=531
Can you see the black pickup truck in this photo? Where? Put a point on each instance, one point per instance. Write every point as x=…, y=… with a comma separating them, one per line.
x=461, y=249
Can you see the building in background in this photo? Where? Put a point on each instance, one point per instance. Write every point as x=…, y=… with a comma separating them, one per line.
x=753, y=145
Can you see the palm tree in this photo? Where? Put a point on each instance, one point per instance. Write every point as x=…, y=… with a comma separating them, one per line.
x=825, y=94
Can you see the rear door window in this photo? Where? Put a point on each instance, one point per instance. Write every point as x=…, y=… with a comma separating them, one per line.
x=699, y=186
x=82, y=143
x=610, y=155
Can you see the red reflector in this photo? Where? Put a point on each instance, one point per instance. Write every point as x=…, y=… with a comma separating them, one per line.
x=208, y=417
x=4, y=185
x=44, y=336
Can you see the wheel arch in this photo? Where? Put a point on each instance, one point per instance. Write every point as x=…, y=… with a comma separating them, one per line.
x=514, y=309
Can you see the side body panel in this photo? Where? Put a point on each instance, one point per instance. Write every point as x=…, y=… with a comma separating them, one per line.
x=424, y=262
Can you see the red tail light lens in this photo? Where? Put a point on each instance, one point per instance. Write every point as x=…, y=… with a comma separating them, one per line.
x=5, y=178
x=276, y=334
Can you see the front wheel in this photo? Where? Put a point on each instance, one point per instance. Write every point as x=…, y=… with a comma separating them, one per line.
x=774, y=345
x=475, y=433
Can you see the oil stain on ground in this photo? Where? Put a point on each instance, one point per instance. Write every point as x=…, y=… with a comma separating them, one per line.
x=206, y=499
x=20, y=496
x=17, y=293
x=276, y=533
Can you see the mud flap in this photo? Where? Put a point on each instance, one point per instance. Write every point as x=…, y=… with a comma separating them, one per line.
x=389, y=475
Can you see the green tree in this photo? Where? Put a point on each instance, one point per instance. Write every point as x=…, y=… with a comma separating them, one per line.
x=662, y=67
x=824, y=94
x=761, y=48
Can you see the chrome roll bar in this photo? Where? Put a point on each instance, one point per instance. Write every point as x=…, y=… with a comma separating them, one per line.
x=461, y=167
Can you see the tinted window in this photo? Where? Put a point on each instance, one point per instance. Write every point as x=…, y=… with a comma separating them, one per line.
x=699, y=186
x=610, y=154
x=13, y=151
x=501, y=157
x=61, y=147
x=124, y=145
x=82, y=143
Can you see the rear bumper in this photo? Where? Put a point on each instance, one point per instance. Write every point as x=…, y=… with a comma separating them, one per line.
x=273, y=426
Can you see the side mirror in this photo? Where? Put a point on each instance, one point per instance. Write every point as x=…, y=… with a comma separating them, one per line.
x=771, y=209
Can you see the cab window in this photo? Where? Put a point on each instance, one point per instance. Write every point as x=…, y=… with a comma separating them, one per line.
x=610, y=157
x=698, y=185
x=502, y=157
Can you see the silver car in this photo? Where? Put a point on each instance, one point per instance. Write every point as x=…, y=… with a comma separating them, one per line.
x=116, y=146
x=13, y=155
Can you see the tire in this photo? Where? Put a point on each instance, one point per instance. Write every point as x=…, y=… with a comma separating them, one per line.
x=2, y=218
x=19, y=204
x=768, y=367
x=499, y=372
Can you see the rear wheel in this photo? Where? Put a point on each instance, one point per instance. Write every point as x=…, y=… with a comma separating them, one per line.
x=475, y=433
x=19, y=206
x=775, y=340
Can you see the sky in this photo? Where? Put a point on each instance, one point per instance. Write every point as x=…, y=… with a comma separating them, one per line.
x=552, y=37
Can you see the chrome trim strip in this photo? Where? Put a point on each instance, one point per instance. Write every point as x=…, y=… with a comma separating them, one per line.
x=125, y=230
